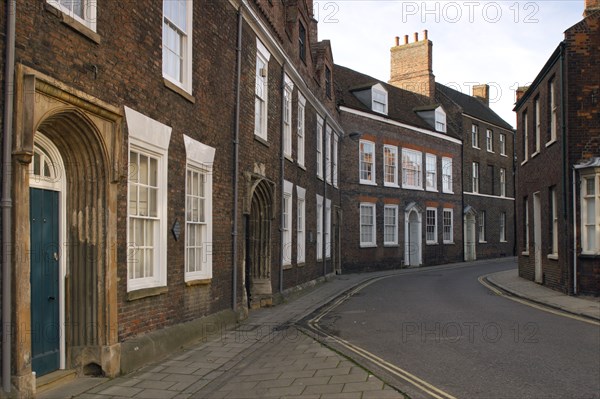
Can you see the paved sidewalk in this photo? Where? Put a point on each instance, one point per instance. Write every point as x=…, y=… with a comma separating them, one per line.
x=264, y=357
x=510, y=281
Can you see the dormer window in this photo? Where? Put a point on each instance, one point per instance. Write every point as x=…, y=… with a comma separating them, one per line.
x=440, y=120
x=379, y=97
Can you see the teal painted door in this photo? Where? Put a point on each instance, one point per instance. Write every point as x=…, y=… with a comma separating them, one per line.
x=45, y=323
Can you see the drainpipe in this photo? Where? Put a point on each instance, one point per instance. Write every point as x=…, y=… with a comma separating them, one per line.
x=236, y=157
x=566, y=170
x=6, y=202
x=282, y=177
x=323, y=250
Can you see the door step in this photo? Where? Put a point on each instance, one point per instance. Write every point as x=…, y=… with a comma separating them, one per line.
x=54, y=379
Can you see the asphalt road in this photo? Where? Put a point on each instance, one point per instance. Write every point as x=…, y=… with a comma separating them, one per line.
x=446, y=328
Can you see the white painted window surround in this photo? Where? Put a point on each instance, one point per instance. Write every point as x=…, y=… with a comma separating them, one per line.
x=177, y=42
x=83, y=11
x=150, y=139
x=199, y=206
x=261, y=91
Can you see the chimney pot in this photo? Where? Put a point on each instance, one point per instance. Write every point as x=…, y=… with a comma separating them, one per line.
x=425, y=34
x=397, y=40
x=405, y=39
x=416, y=37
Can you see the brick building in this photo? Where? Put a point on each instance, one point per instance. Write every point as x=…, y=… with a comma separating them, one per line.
x=401, y=178
x=461, y=152
x=161, y=182
x=558, y=164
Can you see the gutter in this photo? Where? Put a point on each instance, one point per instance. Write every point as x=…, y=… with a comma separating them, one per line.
x=236, y=158
x=6, y=202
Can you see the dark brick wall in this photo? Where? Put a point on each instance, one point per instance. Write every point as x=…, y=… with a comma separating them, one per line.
x=355, y=258
x=550, y=168
x=489, y=185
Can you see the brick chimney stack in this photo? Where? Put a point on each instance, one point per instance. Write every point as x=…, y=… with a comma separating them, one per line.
x=482, y=92
x=411, y=66
x=591, y=6
x=521, y=91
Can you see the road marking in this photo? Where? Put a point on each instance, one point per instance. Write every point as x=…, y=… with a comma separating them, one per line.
x=389, y=367
x=498, y=292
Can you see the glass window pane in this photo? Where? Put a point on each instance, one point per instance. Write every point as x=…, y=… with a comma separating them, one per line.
x=143, y=169
x=153, y=193
x=133, y=198
x=153, y=172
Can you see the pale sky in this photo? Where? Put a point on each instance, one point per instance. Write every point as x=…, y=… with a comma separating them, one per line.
x=502, y=43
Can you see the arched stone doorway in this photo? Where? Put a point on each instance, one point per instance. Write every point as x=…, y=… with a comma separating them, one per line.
x=259, y=215
x=413, y=235
x=80, y=138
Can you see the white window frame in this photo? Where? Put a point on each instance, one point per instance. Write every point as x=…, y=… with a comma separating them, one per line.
x=553, y=112
x=586, y=224
x=482, y=227
x=393, y=151
x=448, y=229
x=379, y=99
x=393, y=226
x=440, y=120
x=301, y=225
x=447, y=179
x=286, y=222
x=88, y=7
x=261, y=91
x=489, y=140
x=361, y=161
x=502, y=226
x=554, y=221
x=150, y=137
x=526, y=226
x=185, y=80
x=475, y=136
x=475, y=177
x=431, y=170
x=428, y=240
x=418, y=171
x=199, y=159
x=372, y=227
x=327, y=235
x=319, y=227
x=288, y=93
x=525, y=121
x=319, y=147
x=328, y=138
x=301, y=128
x=538, y=125
x=502, y=138
x=334, y=155
x=502, y=182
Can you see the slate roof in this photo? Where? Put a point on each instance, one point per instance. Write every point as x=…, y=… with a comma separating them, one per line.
x=472, y=106
x=401, y=103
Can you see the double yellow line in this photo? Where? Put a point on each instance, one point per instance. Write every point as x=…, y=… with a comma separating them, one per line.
x=387, y=366
x=482, y=280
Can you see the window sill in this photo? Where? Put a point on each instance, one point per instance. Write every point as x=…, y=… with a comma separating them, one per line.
x=73, y=23
x=146, y=293
x=504, y=155
x=431, y=243
x=287, y=267
x=289, y=158
x=447, y=192
x=172, y=86
x=449, y=242
x=368, y=245
x=367, y=183
x=432, y=190
x=524, y=162
x=503, y=241
x=535, y=154
x=553, y=256
x=198, y=281
x=392, y=185
x=548, y=144
x=302, y=167
x=525, y=253
x=261, y=140
x=477, y=148
x=413, y=188
x=391, y=245
x=591, y=255
x=491, y=151
x=301, y=264
x=482, y=242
